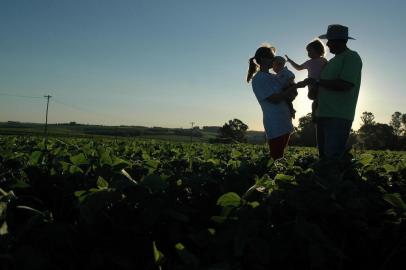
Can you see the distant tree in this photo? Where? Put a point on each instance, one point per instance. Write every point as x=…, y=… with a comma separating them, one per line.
x=367, y=118
x=377, y=136
x=306, y=131
x=396, y=123
x=403, y=120
x=234, y=130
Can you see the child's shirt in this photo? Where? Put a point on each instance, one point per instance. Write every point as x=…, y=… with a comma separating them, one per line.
x=314, y=67
x=285, y=77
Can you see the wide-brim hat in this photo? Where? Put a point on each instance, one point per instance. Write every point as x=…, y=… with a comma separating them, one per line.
x=336, y=31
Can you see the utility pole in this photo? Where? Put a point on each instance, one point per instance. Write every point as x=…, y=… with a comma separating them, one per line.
x=115, y=134
x=46, y=122
x=191, y=131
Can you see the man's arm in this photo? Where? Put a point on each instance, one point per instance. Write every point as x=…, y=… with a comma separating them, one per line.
x=335, y=85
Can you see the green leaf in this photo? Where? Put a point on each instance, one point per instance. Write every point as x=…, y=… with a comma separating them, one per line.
x=65, y=165
x=179, y=246
x=152, y=165
x=395, y=199
x=254, y=204
x=79, y=159
x=155, y=183
x=35, y=157
x=118, y=162
x=213, y=161
x=3, y=193
x=284, y=177
x=75, y=170
x=158, y=256
x=3, y=207
x=102, y=183
x=235, y=154
x=389, y=168
x=79, y=193
x=20, y=184
x=105, y=158
x=229, y=199
x=4, y=229
x=366, y=159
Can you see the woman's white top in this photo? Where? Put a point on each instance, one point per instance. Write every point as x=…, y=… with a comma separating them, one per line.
x=276, y=117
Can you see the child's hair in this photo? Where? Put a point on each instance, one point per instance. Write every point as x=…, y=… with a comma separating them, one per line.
x=317, y=46
x=265, y=51
x=279, y=60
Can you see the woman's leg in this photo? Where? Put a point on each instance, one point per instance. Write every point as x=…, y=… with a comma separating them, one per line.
x=277, y=145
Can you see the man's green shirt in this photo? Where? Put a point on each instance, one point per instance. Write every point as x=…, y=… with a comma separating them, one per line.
x=340, y=104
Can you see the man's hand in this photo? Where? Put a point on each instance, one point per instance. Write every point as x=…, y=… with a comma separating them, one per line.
x=290, y=93
x=310, y=81
x=301, y=84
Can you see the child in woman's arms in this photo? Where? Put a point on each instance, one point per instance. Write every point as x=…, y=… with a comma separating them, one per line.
x=287, y=79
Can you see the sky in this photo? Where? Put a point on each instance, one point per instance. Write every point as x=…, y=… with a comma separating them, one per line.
x=169, y=63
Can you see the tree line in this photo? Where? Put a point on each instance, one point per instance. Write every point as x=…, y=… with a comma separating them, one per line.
x=371, y=135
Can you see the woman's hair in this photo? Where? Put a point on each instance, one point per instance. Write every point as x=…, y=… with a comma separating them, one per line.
x=265, y=51
x=317, y=46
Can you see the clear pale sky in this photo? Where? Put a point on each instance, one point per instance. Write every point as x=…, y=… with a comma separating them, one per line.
x=168, y=63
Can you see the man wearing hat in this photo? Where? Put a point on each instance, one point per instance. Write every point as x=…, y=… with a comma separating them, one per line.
x=338, y=86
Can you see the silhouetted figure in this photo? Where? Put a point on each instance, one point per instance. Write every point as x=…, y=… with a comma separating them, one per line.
x=338, y=89
x=287, y=79
x=314, y=66
x=268, y=91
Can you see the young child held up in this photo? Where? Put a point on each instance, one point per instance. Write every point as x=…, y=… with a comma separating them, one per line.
x=314, y=66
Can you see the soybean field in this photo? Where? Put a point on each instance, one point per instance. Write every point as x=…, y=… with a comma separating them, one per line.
x=144, y=204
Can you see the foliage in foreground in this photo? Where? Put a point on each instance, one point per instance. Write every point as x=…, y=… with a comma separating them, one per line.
x=145, y=205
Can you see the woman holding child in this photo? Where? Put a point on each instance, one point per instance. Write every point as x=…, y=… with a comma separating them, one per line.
x=277, y=118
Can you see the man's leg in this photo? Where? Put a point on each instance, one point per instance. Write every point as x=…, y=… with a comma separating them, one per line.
x=336, y=133
x=320, y=136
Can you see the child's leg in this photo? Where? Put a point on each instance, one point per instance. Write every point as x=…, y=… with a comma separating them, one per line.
x=312, y=94
x=291, y=110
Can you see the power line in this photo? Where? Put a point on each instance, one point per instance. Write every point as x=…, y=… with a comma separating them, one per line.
x=84, y=110
x=58, y=102
x=20, y=96
x=71, y=106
